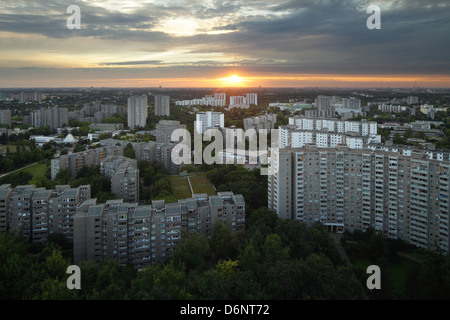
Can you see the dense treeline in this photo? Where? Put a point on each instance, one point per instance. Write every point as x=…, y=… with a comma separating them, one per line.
x=407, y=272
x=100, y=185
x=250, y=183
x=23, y=156
x=271, y=259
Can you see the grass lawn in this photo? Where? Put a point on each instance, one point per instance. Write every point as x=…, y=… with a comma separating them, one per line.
x=180, y=187
x=12, y=148
x=397, y=272
x=37, y=170
x=201, y=184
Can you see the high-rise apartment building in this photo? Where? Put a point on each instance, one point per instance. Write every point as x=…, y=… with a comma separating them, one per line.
x=266, y=121
x=324, y=107
x=351, y=103
x=165, y=128
x=252, y=98
x=38, y=212
x=221, y=98
x=162, y=105
x=124, y=175
x=237, y=100
x=402, y=193
x=52, y=117
x=363, y=128
x=218, y=100
x=148, y=234
x=412, y=100
x=209, y=119
x=137, y=111
x=5, y=117
x=30, y=97
x=327, y=132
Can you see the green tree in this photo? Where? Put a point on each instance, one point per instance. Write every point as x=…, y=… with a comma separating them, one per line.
x=220, y=243
x=78, y=148
x=192, y=252
x=129, y=151
x=274, y=250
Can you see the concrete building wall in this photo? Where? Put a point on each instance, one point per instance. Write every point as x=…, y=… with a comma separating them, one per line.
x=402, y=195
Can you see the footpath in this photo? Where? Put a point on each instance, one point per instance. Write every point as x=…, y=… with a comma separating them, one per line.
x=340, y=248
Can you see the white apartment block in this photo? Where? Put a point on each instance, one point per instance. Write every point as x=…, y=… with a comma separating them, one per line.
x=392, y=108
x=209, y=119
x=252, y=98
x=327, y=133
x=289, y=136
x=402, y=193
x=363, y=128
x=217, y=100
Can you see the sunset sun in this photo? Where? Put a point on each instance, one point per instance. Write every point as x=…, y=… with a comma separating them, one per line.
x=233, y=80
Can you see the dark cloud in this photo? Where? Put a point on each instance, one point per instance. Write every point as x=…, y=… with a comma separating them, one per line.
x=289, y=37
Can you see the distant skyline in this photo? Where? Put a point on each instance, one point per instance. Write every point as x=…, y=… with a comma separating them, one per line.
x=180, y=43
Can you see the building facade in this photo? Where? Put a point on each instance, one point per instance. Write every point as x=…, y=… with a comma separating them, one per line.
x=37, y=212
x=217, y=100
x=327, y=132
x=162, y=105
x=209, y=119
x=75, y=161
x=124, y=175
x=149, y=151
x=266, y=121
x=5, y=117
x=52, y=117
x=148, y=234
x=402, y=193
x=165, y=128
x=137, y=111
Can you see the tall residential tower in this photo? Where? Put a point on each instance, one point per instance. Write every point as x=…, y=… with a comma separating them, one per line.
x=137, y=111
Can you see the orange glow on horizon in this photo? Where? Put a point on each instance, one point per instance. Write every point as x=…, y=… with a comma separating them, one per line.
x=308, y=80
x=235, y=80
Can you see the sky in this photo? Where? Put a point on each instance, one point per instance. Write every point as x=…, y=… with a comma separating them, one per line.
x=210, y=43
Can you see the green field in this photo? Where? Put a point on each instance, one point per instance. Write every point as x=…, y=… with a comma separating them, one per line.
x=397, y=272
x=12, y=148
x=37, y=170
x=180, y=187
x=199, y=182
